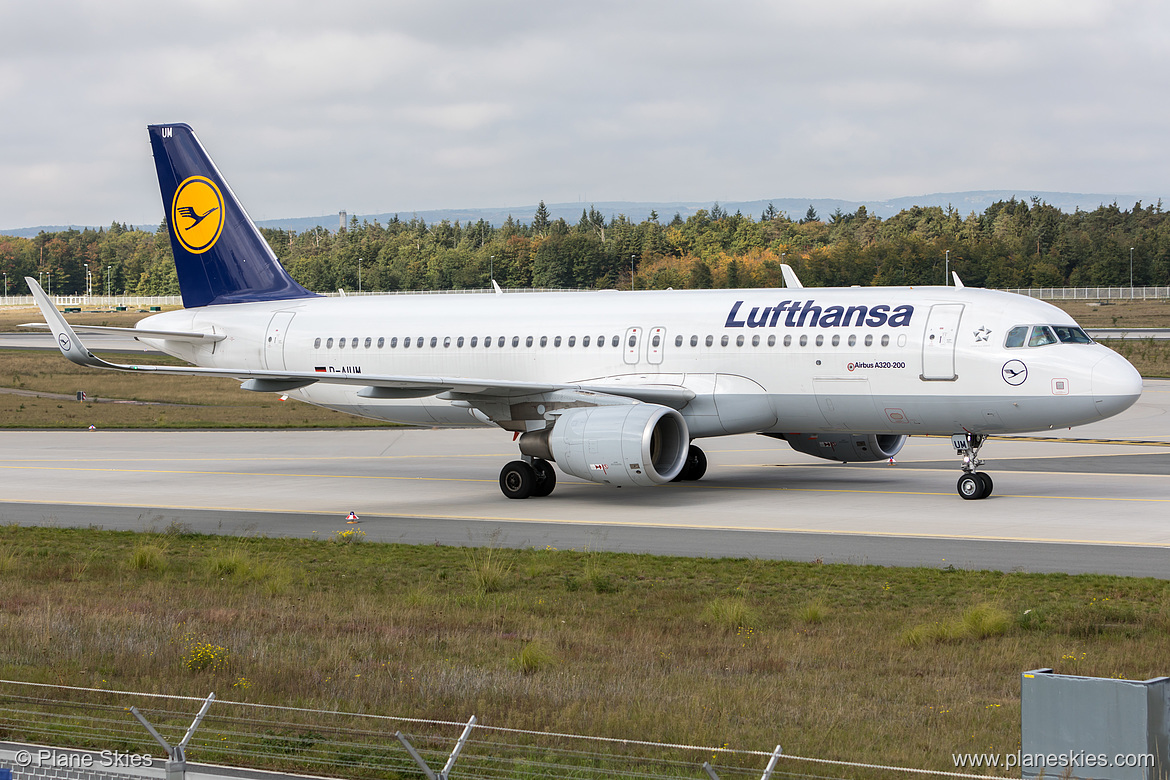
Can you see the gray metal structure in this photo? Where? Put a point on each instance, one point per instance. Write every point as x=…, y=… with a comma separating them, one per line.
x=1094, y=727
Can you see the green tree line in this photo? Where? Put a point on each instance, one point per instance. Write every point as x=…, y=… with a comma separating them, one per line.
x=1013, y=243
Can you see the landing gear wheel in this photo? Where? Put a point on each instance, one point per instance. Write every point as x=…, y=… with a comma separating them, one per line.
x=517, y=479
x=988, y=485
x=546, y=478
x=694, y=467
x=974, y=486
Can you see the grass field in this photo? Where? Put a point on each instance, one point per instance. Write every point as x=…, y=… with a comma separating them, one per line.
x=885, y=665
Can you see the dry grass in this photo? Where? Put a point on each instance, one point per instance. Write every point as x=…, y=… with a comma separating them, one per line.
x=681, y=650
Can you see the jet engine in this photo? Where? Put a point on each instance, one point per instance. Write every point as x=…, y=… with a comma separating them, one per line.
x=845, y=447
x=631, y=444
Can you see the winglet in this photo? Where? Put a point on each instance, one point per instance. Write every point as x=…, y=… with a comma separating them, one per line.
x=68, y=342
x=790, y=279
x=958, y=281
x=496, y=287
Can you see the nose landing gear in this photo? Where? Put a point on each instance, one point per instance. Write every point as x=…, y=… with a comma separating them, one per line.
x=973, y=484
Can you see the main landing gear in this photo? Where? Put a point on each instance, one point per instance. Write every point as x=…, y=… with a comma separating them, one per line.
x=528, y=477
x=973, y=484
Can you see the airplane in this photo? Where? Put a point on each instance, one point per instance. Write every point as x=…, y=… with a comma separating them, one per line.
x=615, y=387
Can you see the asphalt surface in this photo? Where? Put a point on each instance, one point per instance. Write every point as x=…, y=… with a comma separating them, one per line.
x=1093, y=499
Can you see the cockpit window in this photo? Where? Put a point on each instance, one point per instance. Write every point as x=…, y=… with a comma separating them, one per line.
x=1071, y=335
x=1041, y=336
x=1016, y=336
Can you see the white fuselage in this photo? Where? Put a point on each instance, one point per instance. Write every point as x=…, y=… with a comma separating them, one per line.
x=927, y=360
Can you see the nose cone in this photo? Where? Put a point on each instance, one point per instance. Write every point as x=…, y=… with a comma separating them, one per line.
x=1116, y=384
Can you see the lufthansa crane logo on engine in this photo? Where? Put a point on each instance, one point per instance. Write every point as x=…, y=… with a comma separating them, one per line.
x=197, y=214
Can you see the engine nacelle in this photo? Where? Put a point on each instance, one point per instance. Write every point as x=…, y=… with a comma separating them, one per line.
x=845, y=447
x=634, y=444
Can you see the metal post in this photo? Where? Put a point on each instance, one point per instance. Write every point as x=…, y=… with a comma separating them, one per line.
x=458, y=749
x=176, y=766
x=772, y=763
x=710, y=771
x=445, y=772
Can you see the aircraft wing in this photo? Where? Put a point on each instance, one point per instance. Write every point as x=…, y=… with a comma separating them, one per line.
x=374, y=386
x=134, y=333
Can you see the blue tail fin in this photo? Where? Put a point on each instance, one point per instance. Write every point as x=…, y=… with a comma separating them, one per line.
x=220, y=256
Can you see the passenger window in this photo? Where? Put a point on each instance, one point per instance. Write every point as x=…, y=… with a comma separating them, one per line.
x=381, y=341
x=584, y=341
x=771, y=341
x=678, y=340
x=459, y=342
x=869, y=339
x=1016, y=336
x=836, y=340
x=634, y=340
x=446, y=341
x=601, y=341
x=557, y=341
x=487, y=341
x=329, y=344
x=434, y=342
x=500, y=341
x=573, y=341
x=369, y=341
x=475, y=341
x=853, y=340
x=515, y=341
x=820, y=340
x=528, y=342
x=739, y=340
x=723, y=341
x=617, y=340
x=406, y=342
x=886, y=340
x=341, y=343
x=393, y=342
x=694, y=341
x=710, y=340
x=755, y=341
x=788, y=341
x=544, y=341
x=317, y=344
x=804, y=341
x=354, y=342
x=1042, y=336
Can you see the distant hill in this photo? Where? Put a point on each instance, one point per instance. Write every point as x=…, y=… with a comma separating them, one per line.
x=964, y=202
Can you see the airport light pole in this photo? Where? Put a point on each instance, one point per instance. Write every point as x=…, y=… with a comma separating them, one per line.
x=1131, y=272
x=5, y=285
x=947, y=270
x=632, y=272
x=88, y=282
x=359, y=274
x=108, y=267
x=491, y=268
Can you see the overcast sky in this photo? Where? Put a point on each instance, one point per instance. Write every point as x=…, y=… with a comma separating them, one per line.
x=309, y=107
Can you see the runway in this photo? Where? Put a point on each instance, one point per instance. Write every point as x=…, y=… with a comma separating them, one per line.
x=1091, y=499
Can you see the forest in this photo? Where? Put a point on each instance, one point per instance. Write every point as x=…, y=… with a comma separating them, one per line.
x=1012, y=244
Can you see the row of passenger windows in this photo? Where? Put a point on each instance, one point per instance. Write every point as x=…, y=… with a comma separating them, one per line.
x=418, y=342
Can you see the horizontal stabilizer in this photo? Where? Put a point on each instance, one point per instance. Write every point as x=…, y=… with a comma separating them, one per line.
x=136, y=333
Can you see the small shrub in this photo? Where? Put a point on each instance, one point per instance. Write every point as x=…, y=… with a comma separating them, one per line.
x=206, y=657
x=489, y=568
x=227, y=564
x=349, y=536
x=730, y=614
x=533, y=657
x=813, y=612
x=148, y=557
x=986, y=620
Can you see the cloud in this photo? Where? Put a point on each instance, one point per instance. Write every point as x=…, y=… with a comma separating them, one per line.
x=381, y=106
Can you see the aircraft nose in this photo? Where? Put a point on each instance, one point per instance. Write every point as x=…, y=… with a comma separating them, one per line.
x=1116, y=384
